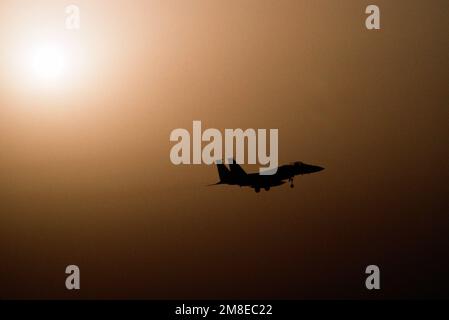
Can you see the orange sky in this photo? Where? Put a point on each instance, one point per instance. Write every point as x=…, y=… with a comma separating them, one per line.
x=87, y=178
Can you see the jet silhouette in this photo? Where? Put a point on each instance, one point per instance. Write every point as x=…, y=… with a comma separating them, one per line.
x=235, y=175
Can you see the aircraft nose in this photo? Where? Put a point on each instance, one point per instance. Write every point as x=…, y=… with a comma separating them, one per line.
x=318, y=168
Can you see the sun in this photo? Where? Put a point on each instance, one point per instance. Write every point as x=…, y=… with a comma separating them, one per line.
x=40, y=59
x=47, y=63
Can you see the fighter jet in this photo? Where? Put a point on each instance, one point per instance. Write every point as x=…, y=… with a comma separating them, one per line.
x=235, y=175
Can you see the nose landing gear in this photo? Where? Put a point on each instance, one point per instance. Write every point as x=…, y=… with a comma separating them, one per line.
x=291, y=182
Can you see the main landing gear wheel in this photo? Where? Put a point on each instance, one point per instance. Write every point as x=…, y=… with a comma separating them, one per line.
x=291, y=183
x=257, y=190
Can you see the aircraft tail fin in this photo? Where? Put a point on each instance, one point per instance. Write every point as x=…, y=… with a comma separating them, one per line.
x=236, y=169
x=223, y=172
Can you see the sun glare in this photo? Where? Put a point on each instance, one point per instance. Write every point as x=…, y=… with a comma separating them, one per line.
x=47, y=63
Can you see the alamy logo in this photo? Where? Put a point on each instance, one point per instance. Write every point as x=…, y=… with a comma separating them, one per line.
x=373, y=280
x=72, y=21
x=188, y=149
x=72, y=282
x=372, y=22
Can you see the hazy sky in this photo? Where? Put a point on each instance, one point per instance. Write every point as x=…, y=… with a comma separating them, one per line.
x=86, y=177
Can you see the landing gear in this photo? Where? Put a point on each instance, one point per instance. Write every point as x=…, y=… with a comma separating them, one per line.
x=267, y=188
x=257, y=189
x=291, y=182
